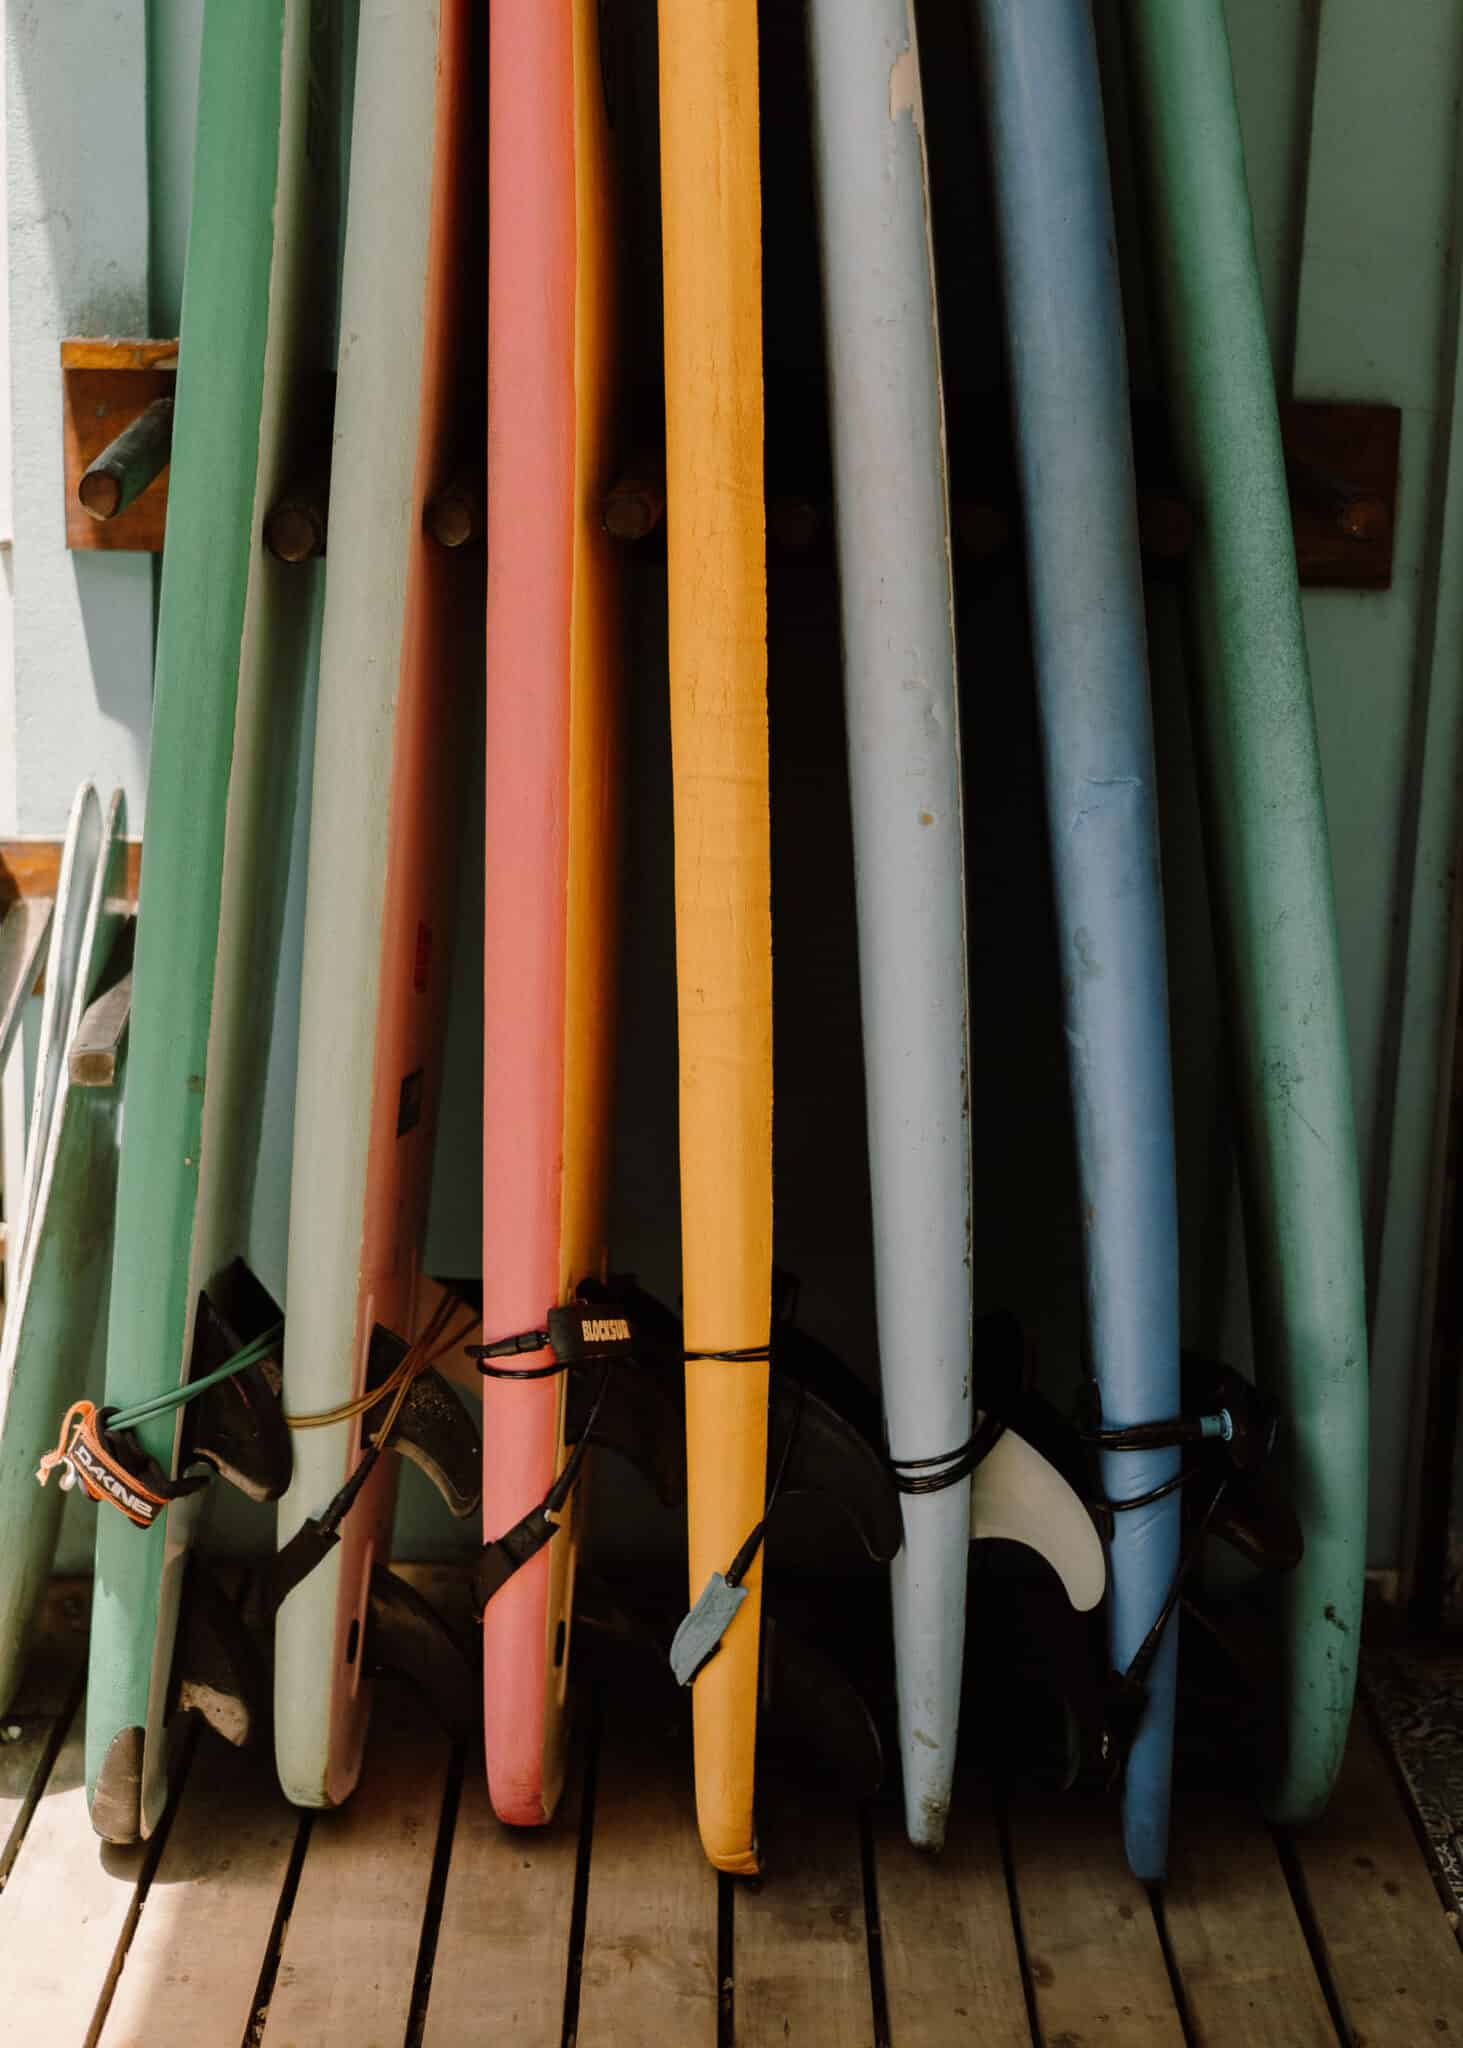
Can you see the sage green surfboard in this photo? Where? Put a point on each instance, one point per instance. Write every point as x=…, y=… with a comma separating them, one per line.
x=232, y=690
x=53, y=1319
x=1269, y=864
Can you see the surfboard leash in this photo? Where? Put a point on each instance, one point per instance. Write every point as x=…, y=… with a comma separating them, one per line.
x=318, y=1534
x=590, y=1331
x=1237, y=1430
x=96, y=1450
x=700, y=1633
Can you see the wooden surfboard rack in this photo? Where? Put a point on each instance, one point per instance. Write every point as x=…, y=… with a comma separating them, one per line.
x=1341, y=462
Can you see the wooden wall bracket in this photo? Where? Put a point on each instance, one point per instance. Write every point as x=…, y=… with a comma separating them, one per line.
x=106, y=387
x=32, y=867
x=1340, y=459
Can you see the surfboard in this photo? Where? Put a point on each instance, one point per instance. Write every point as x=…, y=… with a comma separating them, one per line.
x=81, y=850
x=891, y=502
x=400, y=648
x=551, y=824
x=232, y=677
x=711, y=213
x=1269, y=866
x=49, y=1345
x=1070, y=405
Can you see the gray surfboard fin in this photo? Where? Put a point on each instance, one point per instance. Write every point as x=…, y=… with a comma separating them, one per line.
x=433, y=1428
x=406, y=1637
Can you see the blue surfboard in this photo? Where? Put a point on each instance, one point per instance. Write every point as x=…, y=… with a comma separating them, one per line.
x=1068, y=375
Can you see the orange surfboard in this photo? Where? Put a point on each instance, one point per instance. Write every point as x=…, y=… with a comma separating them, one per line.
x=551, y=830
x=711, y=213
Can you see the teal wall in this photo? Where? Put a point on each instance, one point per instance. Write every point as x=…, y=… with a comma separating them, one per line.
x=1351, y=140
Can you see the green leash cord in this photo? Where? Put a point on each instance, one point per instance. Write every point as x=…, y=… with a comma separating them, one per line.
x=160, y=1404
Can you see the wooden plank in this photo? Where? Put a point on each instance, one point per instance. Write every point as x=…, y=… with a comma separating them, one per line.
x=349, y=1958
x=503, y=1940
x=951, y=1964
x=1096, y=1963
x=800, y=1940
x=32, y=867
x=1240, y=1949
x=28, y=1727
x=92, y=1059
x=220, y=1875
x=105, y=352
x=64, y=1909
x=650, y=1925
x=1396, y=1965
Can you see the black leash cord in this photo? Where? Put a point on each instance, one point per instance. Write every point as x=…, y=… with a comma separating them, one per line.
x=741, y=1564
x=933, y=1475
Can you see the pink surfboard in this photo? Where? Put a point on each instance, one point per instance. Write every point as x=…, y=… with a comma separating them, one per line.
x=551, y=822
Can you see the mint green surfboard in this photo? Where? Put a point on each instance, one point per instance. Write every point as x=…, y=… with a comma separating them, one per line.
x=232, y=691
x=53, y=1318
x=1269, y=866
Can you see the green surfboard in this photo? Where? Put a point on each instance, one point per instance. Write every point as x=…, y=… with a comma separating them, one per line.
x=57, y=1302
x=1269, y=864
x=198, y=1181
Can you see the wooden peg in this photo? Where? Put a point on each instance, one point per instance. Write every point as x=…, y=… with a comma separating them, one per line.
x=457, y=514
x=635, y=503
x=294, y=526
x=126, y=466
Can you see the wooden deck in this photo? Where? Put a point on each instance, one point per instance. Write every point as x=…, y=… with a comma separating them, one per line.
x=412, y=1918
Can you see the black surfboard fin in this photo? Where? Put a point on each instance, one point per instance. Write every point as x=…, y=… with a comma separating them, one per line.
x=810, y=1712
x=813, y=1713
x=641, y=1412
x=432, y=1428
x=831, y=1421
x=1255, y=1514
x=406, y=1637
x=219, y=1673
x=238, y=1426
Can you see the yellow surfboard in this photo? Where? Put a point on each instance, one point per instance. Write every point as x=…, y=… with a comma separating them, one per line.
x=711, y=212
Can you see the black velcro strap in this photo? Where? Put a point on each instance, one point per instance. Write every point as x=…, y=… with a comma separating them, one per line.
x=578, y=1333
x=124, y=1451
x=315, y=1538
x=499, y=1560
x=506, y=1554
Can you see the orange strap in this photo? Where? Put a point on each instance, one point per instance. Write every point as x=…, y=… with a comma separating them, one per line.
x=80, y=1450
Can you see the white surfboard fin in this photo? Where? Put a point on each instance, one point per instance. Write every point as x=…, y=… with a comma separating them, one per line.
x=1018, y=1496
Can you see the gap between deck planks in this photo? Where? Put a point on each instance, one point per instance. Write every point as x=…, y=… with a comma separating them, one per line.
x=412, y=1917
